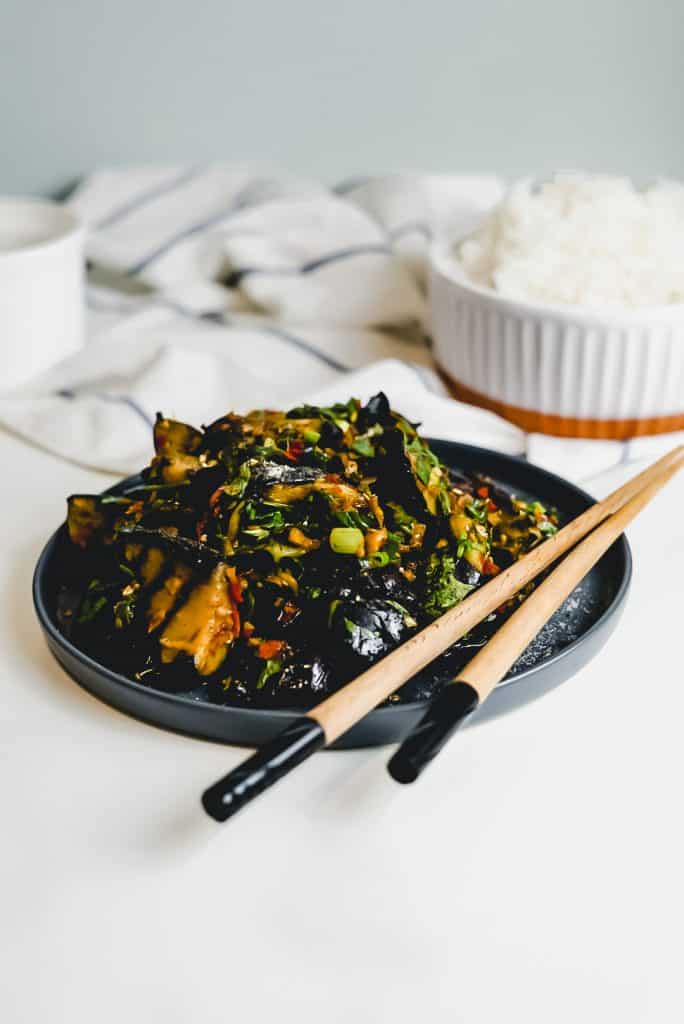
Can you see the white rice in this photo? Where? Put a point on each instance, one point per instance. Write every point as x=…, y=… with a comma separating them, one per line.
x=589, y=241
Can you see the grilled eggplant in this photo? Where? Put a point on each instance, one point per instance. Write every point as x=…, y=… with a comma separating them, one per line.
x=268, y=558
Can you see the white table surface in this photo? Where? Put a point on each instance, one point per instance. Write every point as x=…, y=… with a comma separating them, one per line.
x=534, y=874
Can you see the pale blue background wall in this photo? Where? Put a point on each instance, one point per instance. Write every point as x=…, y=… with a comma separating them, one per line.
x=338, y=88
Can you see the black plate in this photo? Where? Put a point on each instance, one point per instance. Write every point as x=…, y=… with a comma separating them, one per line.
x=575, y=634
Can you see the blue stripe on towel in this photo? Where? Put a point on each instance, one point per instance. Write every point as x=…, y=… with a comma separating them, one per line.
x=132, y=404
x=417, y=226
x=127, y=309
x=105, y=397
x=425, y=376
x=343, y=254
x=181, y=236
x=233, y=279
x=304, y=346
x=150, y=194
x=240, y=201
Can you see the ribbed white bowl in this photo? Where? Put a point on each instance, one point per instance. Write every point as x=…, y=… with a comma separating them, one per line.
x=559, y=369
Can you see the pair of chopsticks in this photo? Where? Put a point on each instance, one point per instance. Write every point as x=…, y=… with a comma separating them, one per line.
x=597, y=528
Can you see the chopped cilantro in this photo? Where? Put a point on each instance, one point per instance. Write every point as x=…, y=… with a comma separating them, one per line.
x=271, y=668
x=444, y=589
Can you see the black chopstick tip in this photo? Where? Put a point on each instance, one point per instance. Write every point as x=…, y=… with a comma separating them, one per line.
x=445, y=714
x=302, y=738
x=217, y=805
x=402, y=770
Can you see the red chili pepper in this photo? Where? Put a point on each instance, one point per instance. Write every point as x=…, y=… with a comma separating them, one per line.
x=489, y=567
x=214, y=498
x=294, y=450
x=483, y=492
x=236, y=621
x=269, y=648
x=235, y=587
x=492, y=507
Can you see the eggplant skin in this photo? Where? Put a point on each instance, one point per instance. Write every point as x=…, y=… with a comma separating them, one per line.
x=171, y=437
x=196, y=554
x=387, y=584
x=202, y=485
x=376, y=411
x=365, y=631
x=502, y=557
x=395, y=479
x=466, y=573
x=267, y=474
x=175, y=445
x=300, y=684
x=331, y=436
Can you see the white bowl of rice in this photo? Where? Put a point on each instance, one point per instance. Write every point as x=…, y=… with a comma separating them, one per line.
x=564, y=310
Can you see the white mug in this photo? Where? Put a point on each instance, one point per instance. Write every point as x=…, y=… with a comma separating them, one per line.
x=41, y=287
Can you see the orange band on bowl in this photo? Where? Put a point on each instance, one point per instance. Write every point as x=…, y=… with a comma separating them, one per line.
x=564, y=426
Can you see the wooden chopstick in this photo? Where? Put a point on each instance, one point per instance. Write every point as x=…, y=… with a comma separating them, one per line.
x=479, y=677
x=337, y=713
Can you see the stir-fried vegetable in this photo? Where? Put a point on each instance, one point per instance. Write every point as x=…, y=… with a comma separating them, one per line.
x=269, y=557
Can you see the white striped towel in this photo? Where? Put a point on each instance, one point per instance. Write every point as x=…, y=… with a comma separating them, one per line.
x=220, y=287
